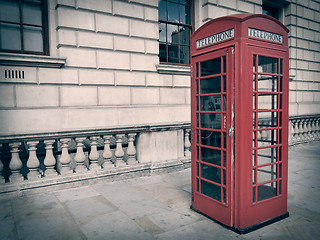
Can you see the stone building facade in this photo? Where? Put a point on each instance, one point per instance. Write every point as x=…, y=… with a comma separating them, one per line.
x=99, y=95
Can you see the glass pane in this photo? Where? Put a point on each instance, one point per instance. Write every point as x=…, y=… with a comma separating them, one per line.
x=267, y=83
x=224, y=158
x=172, y=33
x=173, y=54
x=162, y=32
x=184, y=35
x=211, y=67
x=224, y=64
x=211, y=120
x=254, y=176
x=267, y=191
x=185, y=14
x=224, y=182
x=10, y=37
x=267, y=119
x=211, y=190
x=210, y=85
x=267, y=64
x=254, y=63
x=184, y=54
x=162, y=52
x=267, y=101
x=197, y=70
x=211, y=138
x=253, y=194
x=281, y=66
x=224, y=141
x=211, y=173
x=162, y=10
x=266, y=156
x=9, y=11
x=173, y=12
x=224, y=195
x=267, y=138
x=224, y=83
x=31, y=14
x=211, y=156
x=32, y=39
x=267, y=173
x=210, y=103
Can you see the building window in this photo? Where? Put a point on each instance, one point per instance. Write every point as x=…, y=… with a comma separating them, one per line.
x=270, y=11
x=274, y=8
x=23, y=26
x=174, y=31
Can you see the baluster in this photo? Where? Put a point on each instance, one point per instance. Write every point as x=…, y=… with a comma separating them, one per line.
x=291, y=131
x=119, y=153
x=300, y=127
x=107, y=154
x=310, y=120
x=94, y=154
x=318, y=128
x=296, y=130
x=65, y=158
x=131, y=150
x=305, y=129
x=33, y=161
x=187, y=143
x=15, y=163
x=80, y=157
x=49, y=161
x=1, y=164
x=313, y=128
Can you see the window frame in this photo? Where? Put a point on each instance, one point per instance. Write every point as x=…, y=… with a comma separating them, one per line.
x=44, y=28
x=179, y=24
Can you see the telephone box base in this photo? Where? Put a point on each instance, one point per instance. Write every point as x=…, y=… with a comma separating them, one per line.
x=248, y=229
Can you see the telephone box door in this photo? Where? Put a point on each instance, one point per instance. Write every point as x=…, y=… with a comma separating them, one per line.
x=212, y=129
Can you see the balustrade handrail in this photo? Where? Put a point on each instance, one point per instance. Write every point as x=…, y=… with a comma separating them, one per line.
x=294, y=117
x=93, y=131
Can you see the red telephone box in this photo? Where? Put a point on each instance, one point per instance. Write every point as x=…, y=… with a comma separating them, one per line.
x=239, y=101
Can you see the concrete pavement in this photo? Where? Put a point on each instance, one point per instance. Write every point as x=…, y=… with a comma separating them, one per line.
x=156, y=207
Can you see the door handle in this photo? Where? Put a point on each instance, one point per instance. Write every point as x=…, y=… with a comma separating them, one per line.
x=230, y=132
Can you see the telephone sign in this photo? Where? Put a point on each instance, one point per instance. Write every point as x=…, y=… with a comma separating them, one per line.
x=239, y=120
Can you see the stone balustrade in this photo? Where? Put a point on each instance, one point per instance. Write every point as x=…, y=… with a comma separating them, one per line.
x=302, y=129
x=42, y=159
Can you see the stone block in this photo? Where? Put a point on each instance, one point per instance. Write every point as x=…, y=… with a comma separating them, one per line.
x=153, y=3
x=112, y=24
x=95, y=40
x=77, y=57
x=215, y=12
x=75, y=18
x=154, y=114
x=7, y=96
x=228, y=3
x=52, y=75
x=127, y=9
x=113, y=60
x=172, y=96
x=144, y=95
x=96, y=76
x=144, y=62
x=128, y=44
x=130, y=78
x=9, y=74
x=97, y=5
x=155, y=79
x=292, y=96
x=152, y=46
x=188, y=96
x=78, y=96
x=66, y=2
x=67, y=37
x=49, y=120
x=114, y=95
x=144, y=29
x=181, y=81
x=37, y=96
x=245, y=6
x=302, y=22
x=151, y=14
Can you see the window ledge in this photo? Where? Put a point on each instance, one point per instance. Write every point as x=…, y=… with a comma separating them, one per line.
x=31, y=60
x=173, y=69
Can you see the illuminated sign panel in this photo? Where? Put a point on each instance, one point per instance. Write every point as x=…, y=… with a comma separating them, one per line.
x=215, y=38
x=255, y=33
